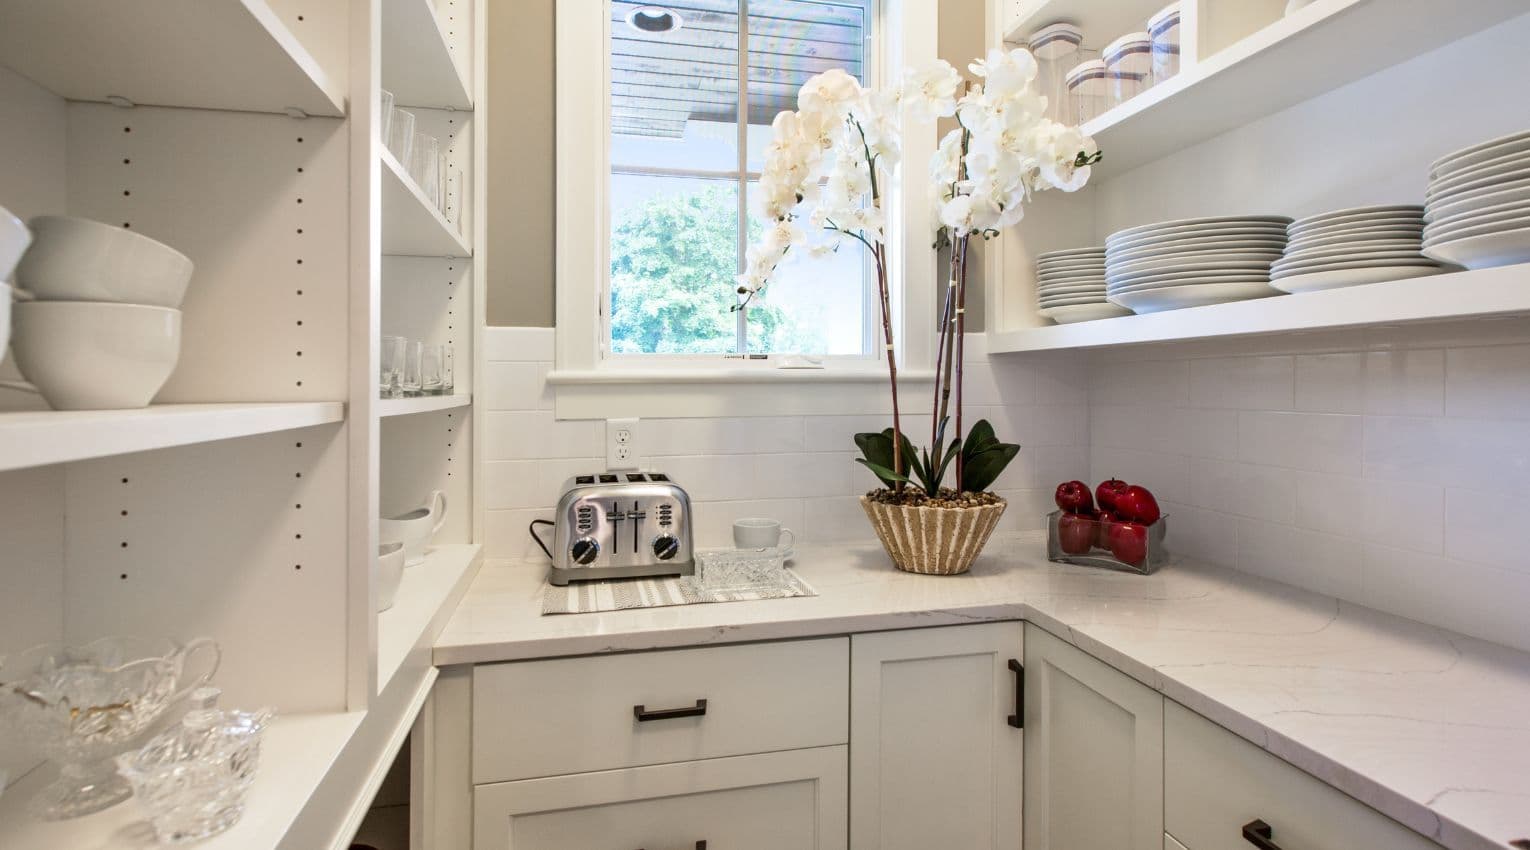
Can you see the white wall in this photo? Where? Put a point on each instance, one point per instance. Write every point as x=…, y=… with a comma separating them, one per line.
x=798, y=469
x=1385, y=467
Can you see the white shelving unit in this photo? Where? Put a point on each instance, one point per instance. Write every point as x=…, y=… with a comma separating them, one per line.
x=40, y=438
x=243, y=505
x=233, y=54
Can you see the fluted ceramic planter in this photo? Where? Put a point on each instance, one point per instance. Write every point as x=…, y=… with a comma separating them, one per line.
x=933, y=541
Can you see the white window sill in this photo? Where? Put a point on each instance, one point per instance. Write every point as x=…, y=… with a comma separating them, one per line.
x=736, y=391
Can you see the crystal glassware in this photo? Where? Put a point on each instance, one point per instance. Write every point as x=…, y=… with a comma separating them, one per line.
x=86, y=704
x=409, y=382
x=423, y=165
x=192, y=779
x=401, y=135
x=391, y=367
x=385, y=115
x=740, y=569
x=431, y=359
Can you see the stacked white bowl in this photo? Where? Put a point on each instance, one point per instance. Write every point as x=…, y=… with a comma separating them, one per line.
x=1354, y=246
x=1070, y=286
x=1478, y=204
x=104, y=330
x=1193, y=262
x=14, y=238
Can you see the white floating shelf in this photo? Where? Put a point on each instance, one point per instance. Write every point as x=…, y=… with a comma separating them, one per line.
x=228, y=54
x=1101, y=20
x=418, y=64
x=296, y=754
x=1502, y=291
x=39, y=438
x=411, y=224
x=426, y=599
x=423, y=404
x=1314, y=50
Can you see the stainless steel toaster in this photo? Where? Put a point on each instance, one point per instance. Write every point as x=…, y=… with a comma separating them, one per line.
x=621, y=525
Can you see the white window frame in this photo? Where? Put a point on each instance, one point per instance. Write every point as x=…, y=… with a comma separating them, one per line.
x=590, y=384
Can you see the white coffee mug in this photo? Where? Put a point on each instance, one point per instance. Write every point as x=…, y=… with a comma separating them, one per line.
x=390, y=574
x=761, y=533
x=415, y=528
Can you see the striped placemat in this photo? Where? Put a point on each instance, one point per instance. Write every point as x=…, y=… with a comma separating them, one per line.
x=587, y=597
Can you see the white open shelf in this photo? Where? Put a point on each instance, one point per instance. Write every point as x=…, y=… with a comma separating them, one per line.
x=426, y=599
x=230, y=54
x=411, y=224
x=423, y=404
x=295, y=755
x=1316, y=49
x=39, y=438
x=1501, y=291
x=418, y=64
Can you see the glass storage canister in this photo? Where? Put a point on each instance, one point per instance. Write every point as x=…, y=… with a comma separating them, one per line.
x=1163, y=29
x=1128, y=67
x=1086, y=90
x=1057, y=47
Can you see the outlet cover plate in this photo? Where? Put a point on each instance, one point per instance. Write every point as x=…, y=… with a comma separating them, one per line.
x=622, y=444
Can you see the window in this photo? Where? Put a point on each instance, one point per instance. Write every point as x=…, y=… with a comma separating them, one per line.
x=692, y=98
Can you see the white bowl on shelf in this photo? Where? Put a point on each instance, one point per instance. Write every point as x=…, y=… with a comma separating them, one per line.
x=1180, y=297
x=1480, y=251
x=390, y=574
x=1335, y=278
x=1209, y=280
x=1068, y=313
x=96, y=356
x=76, y=259
x=1380, y=258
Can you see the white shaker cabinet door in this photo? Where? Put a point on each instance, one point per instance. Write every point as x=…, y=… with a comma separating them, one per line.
x=1093, y=752
x=792, y=799
x=934, y=761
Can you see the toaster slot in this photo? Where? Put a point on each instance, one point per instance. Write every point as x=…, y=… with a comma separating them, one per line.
x=657, y=476
x=636, y=477
x=608, y=478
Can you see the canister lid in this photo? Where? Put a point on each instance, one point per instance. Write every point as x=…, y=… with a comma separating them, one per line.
x=1094, y=68
x=1132, y=42
x=1055, y=40
x=1167, y=16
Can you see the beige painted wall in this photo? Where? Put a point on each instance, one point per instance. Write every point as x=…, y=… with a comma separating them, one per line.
x=521, y=153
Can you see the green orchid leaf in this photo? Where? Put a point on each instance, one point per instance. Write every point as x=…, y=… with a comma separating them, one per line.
x=981, y=470
x=887, y=475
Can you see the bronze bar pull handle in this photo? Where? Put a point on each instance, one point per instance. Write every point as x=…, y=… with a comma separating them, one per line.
x=1017, y=719
x=1259, y=834
x=644, y=715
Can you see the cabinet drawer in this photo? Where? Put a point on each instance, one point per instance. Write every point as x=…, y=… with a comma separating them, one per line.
x=572, y=715
x=766, y=802
x=1216, y=783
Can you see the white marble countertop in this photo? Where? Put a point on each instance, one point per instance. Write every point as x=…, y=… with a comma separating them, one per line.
x=1427, y=726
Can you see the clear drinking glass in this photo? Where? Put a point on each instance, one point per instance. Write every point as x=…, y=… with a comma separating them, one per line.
x=448, y=369
x=455, y=214
x=409, y=383
x=443, y=183
x=401, y=135
x=390, y=378
x=385, y=115
x=424, y=163
x=431, y=358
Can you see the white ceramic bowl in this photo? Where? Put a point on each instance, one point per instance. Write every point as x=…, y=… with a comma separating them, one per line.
x=5, y=318
x=92, y=356
x=415, y=528
x=390, y=574
x=14, y=238
x=76, y=259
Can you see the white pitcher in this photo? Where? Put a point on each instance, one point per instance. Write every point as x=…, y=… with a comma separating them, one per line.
x=415, y=528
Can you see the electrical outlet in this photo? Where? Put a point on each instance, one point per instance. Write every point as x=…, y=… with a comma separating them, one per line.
x=622, y=444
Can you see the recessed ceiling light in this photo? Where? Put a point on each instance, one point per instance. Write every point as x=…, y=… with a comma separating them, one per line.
x=654, y=19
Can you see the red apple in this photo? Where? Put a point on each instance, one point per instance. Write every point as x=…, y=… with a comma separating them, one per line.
x=1075, y=533
x=1106, y=494
x=1137, y=503
x=1073, y=497
x=1103, y=520
x=1129, y=542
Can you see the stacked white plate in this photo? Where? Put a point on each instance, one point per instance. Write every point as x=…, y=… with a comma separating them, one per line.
x=1353, y=246
x=1193, y=262
x=1070, y=286
x=1478, y=204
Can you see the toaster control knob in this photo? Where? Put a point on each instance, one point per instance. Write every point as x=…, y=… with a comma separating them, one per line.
x=584, y=551
x=666, y=546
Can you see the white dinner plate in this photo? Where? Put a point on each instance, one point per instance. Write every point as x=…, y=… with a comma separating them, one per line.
x=1475, y=193
x=1179, y=297
x=1499, y=248
x=1247, y=270
x=1067, y=302
x=1487, y=213
x=1232, y=241
x=1069, y=313
x=1479, y=201
x=1191, y=282
x=1358, y=224
x=1071, y=291
x=1072, y=279
x=1352, y=214
x=1413, y=232
x=1193, y=263
x=1476, y=179
x=1480, y=152
x=1487, y=164
x=1366, y=247
x=1336, y=278
x=1267, y=254
x=1071, y=252
x=1256, y=231
x=1475, y=227
x=1414, y=259
x=1068, y=268
x=1183, y=224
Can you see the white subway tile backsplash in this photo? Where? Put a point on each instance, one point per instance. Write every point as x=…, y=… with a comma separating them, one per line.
x=1167, y=475
x=518, y=344
x=801, y=476
x=1326, y=563
x=515, y=386
x=1487, y=527
x=1244, y=383
x=1320, y=442
x=1331, y=383
x=837, y=433
x=1475, y=599
x=742, y=435
x=1161, y=383
x=1405, y=382
x=714, y=520
x=1490, y=382
x=536, y=434
x=511, y=484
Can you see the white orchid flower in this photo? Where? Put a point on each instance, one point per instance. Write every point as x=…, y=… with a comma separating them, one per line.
x=829, y=93
x=930, y=92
